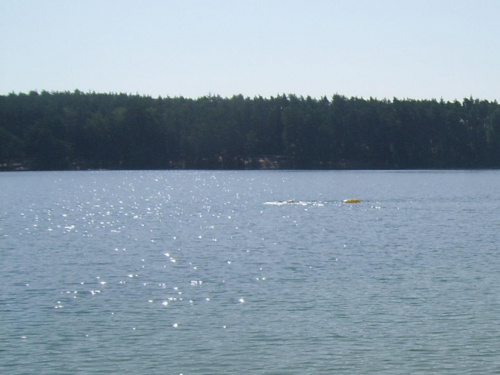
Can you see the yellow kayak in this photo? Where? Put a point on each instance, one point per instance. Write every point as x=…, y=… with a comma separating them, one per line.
x=352, y=201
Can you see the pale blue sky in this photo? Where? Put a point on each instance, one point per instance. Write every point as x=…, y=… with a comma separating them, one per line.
x=419, y=49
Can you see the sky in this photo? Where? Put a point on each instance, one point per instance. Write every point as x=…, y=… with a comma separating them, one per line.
x=384, y=49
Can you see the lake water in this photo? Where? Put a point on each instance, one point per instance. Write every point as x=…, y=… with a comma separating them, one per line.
x=213, y=272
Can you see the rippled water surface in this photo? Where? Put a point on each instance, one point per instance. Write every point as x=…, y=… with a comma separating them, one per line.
x=191, y=272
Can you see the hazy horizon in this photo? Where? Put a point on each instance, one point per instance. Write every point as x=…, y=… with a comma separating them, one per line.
x=382, y=49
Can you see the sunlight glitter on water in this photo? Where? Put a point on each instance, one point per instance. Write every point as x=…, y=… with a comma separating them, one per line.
x=158, y=267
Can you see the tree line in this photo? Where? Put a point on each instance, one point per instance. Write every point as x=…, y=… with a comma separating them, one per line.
x=76, y=130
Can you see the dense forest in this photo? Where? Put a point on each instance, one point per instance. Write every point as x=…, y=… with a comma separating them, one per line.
x=75, y=130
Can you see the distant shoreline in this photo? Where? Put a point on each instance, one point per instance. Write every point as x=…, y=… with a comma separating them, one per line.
x=77, y=131
x=267, y=165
